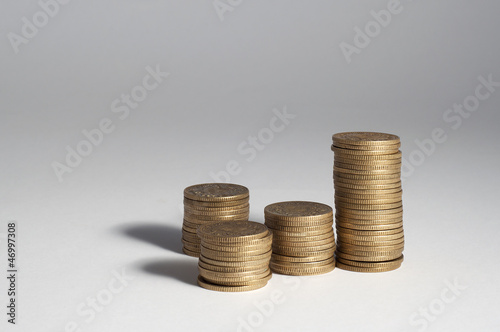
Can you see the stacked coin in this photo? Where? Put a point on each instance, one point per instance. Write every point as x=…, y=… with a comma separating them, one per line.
x=303, y=238
x=234, y=256
x=368, y=201
x=208, y=203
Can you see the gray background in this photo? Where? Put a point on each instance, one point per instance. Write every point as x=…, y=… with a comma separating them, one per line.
x=121, y=207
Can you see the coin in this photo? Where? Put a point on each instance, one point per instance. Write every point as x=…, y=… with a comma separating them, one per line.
x=194, y=212
x=215, y=205
x=236, y=256
x=366, y=269
x=302, y=271
x=240, y=263
x=369, y=233
x=298, y=211
x=287, y=264
x=366, y=138
x=233, y=269
x=370, y=227
x=221, y=288
x=216, y=192
x=340, y=254
x=190, y=252
x=311, y=230
x=233, y=232
x=301, y=238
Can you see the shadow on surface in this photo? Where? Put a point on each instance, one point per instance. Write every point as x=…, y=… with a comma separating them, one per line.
x=164, y=236
x=182, y=270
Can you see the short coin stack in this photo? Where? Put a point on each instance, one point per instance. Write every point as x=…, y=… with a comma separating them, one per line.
x=234, y=256
x=303, y=238
x=208, y=203
x=368, y=201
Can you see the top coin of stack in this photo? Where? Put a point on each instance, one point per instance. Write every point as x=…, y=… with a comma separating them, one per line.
x=303, y=239
x=368, y=201
x=234, y=256
x=208, y=203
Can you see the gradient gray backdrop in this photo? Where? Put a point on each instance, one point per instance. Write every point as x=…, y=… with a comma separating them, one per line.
x=120, y=208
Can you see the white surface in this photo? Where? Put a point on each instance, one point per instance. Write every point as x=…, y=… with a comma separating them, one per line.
x=121, y=207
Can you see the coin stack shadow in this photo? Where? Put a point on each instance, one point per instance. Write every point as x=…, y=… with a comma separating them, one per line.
x=208, y=203
x=234, y=256
x=303, y=238
x=368, y=201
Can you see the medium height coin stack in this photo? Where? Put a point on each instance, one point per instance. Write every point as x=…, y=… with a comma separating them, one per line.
x=234, y=256
x=368, y=201
x=209, y=203
x=303, y=238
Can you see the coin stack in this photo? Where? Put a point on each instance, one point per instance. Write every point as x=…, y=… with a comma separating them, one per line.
x=208, y=203
x=368, y=201
x=234, y=256
x=303, y=238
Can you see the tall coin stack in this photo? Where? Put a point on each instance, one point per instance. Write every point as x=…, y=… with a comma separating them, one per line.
x=208, y=203
x=368, y=201
x=303, y=238
x=234, y=256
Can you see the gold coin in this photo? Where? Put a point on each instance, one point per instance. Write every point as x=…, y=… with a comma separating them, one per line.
x=197, y=207
x=386, y=148
x=298, y=229
x=366, y=138
x=272, y=223
x=302, y=238
x=386, y=172
x=364, y=222
x=189, y=229
x=393, y=262
x=245, y=248
x=262, y=242
x=347, y=152
x=369, y=238
x=370, y=227
x=208, y=219
x=228, y=269
x=355, y=212
x=358, y=157
x=372, y=178
x=190, y=253
x=367, y=167
x=340, y=254
x=186, y=237
x=298, y=211
x=368, y=207
x=215, y=254
x=395, y=252
x=215, y=205
x=281, y=258
x=368, y=162
x=396, y=199
x=353, y=186
x=240, y=263
x=366, y=269
x=280, y=235
x=221, y=278
x=369, y=233
x=233, y=232
x=341, y=191
x=369, y=181
x=302, y=271
x=352, y=216
x=344, y=240
x=283, y=249
x=365, y=196
x=216, y=192
x=313, y=253
x=221, y=288
x=380, y=248
x=286, y=264
x=194, y=212
x=251, y=275
x=309, y=244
